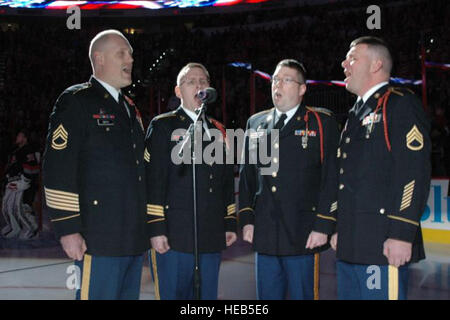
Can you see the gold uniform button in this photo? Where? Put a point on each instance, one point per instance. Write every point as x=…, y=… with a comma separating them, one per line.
x=276, y=145
x=167, y=207
x=274, y=189
x=275, y=160
x=341, y=171
x=274, y=174
x=134, y=145
x=347, y=140
x=107, y=129
x=137, y=161
x=95, y=202
x=210, y=190
x=344, y=155
x=210, y=176
x=341, y=186
x=382, y=211
x=313, y=208
x=140, y=178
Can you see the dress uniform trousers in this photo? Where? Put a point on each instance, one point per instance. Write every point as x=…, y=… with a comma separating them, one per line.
x=173, y=274
x=109, y=278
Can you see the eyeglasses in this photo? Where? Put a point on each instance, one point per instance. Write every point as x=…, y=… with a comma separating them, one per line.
x=195, y=82
x=285, y=81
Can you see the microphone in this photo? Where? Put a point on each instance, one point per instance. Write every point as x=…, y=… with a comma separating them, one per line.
x=208, y=95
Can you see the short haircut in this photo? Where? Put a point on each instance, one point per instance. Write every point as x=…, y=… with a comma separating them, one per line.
x=379, y=47
x=100, y=39
x=294, y=64
x=188, y=67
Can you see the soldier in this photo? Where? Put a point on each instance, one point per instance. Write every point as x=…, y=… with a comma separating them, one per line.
x=94, y=175
x=289, y=213
x=170, y=202
x=384, y=178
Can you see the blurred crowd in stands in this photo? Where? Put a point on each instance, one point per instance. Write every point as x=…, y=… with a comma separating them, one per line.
x=42, y=58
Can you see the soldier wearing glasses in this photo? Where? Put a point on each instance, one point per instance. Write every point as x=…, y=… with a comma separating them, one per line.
x=170, y=200
x=289, y=213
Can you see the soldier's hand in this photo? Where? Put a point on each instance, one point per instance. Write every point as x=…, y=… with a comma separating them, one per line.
x=160, y=244
x=316, y=239
x=74, y=245
x=397, y=252
x=333, y=241
x=230, y=238
x=247, y=232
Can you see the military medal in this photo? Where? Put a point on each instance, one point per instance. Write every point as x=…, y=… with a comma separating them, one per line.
x=305, y=141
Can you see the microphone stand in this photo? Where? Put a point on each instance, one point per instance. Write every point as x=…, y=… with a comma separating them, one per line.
x=190, y=134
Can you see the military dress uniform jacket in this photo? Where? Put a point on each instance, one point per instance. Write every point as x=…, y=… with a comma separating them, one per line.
x=384, y=177
x=286, y=205
x=170, y=188
x=93, y=171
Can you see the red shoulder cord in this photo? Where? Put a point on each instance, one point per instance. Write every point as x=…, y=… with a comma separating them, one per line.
x=221, y=127
x=383, y=101
x=320, y=130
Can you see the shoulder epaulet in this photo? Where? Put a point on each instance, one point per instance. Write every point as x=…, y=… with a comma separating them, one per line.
x=400, y=90
x=321, y=110
x=165, y=115
x=261, y=113
x=77, y=88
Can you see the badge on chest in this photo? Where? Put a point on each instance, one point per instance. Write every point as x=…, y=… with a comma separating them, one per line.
x=369, y=122
x=104, y=119
x=305, y=134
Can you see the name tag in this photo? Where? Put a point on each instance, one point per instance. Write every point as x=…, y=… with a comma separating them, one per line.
x=105, y=122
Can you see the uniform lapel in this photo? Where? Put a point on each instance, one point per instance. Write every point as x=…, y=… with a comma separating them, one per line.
x=109, y=101
x=296, y=122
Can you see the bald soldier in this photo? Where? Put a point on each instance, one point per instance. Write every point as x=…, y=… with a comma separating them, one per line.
x=384, y=178
x=94, y=175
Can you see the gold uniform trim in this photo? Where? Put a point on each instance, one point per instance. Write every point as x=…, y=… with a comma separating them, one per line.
x=156, y=220
x=326, y=217
x=246, y=209
x=85, y=282
x=393, y=282
x=60, y=133
x=316, y=275
x=231, y=209
x=414, y=135
x=155, y=210
x=333, y=207
x=61, y=200
x=404, y=220
x=155, y=274
x=65, y=218
x=408, y=191
x=146, y=155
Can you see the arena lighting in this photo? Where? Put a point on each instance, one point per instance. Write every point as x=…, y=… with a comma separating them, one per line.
x=123, y=5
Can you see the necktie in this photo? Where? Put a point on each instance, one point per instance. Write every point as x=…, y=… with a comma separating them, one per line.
x=123, y=104
x=280, y=122
x=358, y=106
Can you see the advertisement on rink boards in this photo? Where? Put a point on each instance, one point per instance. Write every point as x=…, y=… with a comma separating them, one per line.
x=436, y=217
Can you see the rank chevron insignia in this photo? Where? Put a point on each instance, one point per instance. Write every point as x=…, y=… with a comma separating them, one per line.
x=414, y=135
x=146, y=155
x=59, y=134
